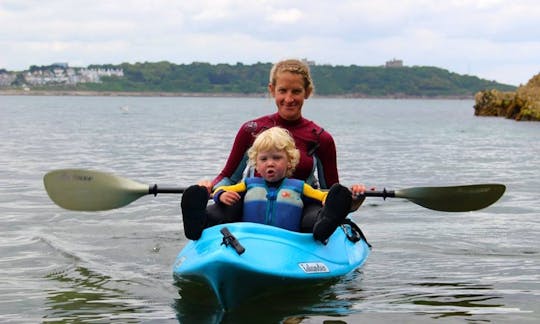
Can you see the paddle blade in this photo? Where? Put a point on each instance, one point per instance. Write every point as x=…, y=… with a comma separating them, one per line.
x=86, y=190
x=454, y=199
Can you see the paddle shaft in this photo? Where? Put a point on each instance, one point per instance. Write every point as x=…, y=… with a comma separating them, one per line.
x=447, y=199
x=384, y=193
x=155, y=189
x=87, y=190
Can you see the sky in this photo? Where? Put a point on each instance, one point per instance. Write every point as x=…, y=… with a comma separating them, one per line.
x=492, y=39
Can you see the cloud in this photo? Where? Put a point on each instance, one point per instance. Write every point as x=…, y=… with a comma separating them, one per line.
x=288, y=16
x=496, y=39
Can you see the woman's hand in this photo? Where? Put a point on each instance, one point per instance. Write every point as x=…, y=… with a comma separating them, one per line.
x=207, y=184
x=357, y=190
x=358, y=196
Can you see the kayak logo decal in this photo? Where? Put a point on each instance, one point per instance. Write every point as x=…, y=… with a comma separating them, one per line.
x=179, y=262
x=313, y=267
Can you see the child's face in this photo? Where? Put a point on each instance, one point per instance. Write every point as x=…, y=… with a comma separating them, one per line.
x=272, y=165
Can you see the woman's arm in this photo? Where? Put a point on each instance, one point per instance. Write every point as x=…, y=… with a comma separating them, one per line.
x=328, y=158
x=231, y=172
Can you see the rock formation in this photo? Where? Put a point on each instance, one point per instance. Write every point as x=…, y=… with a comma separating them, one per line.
x=523, y=104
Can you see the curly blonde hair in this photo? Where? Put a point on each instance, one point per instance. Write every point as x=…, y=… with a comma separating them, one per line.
x=296, y=67
x=275, y=138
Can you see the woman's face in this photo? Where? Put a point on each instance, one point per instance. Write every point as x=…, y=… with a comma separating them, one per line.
x=289, y=94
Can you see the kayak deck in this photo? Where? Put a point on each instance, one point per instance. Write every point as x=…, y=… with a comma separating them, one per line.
x=272, y=257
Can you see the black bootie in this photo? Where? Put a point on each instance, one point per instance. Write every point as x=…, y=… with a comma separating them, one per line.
x=336, y=208
x=194, y=201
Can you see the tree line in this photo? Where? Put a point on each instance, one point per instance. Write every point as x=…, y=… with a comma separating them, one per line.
x=358, y=81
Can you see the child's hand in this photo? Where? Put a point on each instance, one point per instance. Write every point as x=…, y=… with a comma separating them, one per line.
x=229, y=197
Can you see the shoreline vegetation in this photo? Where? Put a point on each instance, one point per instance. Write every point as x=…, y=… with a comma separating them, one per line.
x=21, y=92
x=239, y=80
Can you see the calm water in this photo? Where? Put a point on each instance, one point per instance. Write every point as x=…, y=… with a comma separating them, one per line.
x=115, y=266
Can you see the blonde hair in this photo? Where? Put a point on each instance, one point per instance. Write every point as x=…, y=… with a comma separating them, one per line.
x=293, y=66
x=275, y=138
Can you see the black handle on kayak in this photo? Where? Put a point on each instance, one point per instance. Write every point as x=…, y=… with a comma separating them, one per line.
x=230, y=240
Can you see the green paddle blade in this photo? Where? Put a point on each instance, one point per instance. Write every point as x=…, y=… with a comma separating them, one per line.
x=86, y=190
x=454, y=199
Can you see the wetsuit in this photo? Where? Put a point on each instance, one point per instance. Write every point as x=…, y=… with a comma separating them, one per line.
x=310, y=139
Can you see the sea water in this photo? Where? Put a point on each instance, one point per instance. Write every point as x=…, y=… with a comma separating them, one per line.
x=115, y=266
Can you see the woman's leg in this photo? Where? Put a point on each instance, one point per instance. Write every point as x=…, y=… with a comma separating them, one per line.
x=336, y=208
x=193, y=205
x=310, y=214
x=220, y=213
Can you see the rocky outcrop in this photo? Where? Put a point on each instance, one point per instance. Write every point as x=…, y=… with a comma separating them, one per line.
x=523, y=104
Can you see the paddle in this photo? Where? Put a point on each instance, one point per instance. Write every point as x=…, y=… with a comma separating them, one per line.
x=448, y=199
x=87, y=190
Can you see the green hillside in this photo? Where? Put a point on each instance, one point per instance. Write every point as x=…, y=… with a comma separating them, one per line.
x=355, y=81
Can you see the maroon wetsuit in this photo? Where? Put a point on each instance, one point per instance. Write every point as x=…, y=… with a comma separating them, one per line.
x=310, y=140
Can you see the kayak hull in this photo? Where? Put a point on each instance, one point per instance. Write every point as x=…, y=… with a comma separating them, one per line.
x=272, y=258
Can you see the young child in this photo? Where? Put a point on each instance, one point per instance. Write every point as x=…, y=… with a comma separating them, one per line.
x=271, y=197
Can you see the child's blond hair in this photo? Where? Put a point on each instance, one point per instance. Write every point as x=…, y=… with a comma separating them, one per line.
x=275, y=138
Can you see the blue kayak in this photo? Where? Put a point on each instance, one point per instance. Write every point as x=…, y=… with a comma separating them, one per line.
x=242, y=260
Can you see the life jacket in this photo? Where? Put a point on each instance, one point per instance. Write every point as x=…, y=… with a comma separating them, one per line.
x=281, y=206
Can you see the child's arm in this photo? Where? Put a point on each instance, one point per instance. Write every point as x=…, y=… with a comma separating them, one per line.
x=229, y=195
x=357, y=191
x=317, y=194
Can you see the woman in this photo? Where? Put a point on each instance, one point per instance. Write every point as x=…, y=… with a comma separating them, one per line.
x=290, y=85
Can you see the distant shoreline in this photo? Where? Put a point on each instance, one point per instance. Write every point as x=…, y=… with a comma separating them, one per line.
x=12, y=92
x=120, y=93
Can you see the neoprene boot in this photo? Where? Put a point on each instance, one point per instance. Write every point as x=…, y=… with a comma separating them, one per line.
x=193, y=204
x=336, y=208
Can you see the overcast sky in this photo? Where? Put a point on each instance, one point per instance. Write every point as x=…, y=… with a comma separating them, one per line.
x=492, y=39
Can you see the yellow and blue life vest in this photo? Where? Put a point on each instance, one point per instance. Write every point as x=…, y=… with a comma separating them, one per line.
x=280, y=206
